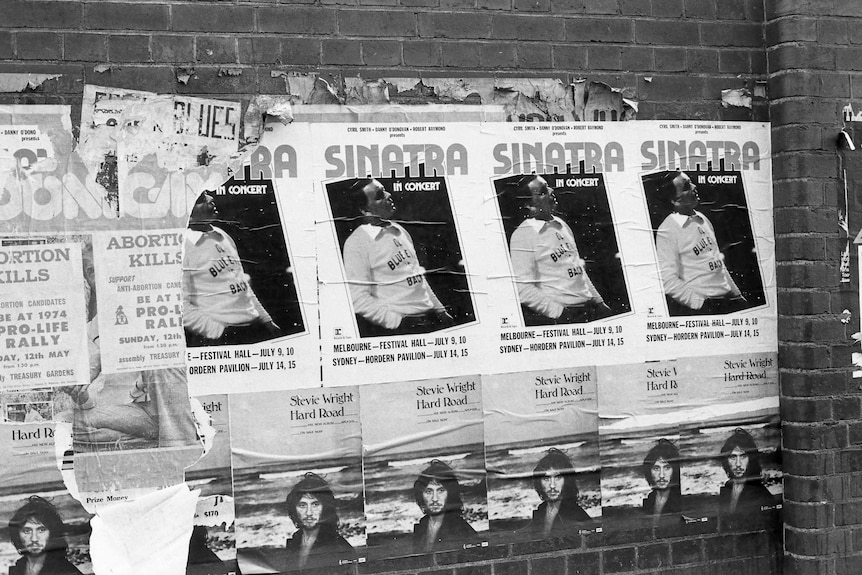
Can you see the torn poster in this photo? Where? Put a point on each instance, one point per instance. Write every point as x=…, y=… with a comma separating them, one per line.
x=249, y=273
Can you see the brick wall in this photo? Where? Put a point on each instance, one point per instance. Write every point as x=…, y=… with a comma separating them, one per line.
x=815, y=56
x=674, y=57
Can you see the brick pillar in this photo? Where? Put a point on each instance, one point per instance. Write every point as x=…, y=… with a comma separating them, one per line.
x=811, y=62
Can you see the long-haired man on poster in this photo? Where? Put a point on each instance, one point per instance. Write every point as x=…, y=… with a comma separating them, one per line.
x=744, y=492
x=37, y=531
x=438, y=493
x=316, y=542
x=559, y=514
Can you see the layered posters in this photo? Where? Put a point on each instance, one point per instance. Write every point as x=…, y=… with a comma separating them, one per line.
x=400, y=338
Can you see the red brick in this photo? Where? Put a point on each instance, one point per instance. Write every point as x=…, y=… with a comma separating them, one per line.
x=516, y=568
x=656, y=556
x=655, y=32
x=29, y=14
x=847, y=9
x=341, y=52
x=532, y=5
x=293, y=20
x=422, y=54
x=731, y=9
x=568, y=6
x=598, y=30
x=670, y=59
x=602, y=7
x=497, y=55
x=583, y=563
x=833, y=32
x=805, y=56
x=159, y=79
x=704, y=9
x=848, y=564
x=549, y=565
x=38, y=45
x=526, y=28
x=801, y=248
x=173, y=49
x=667, y=8
x=216, y=49
x=634, y=8
x=211, y=18
x=494, y=4
x=811, y=165
x=848, y=513
x=455, y=25
x=703, y=60
x=846, y=58
x=814, y=489
x=569, y=58
x=814, y=436
x=794, y=29
x=208, y=81
x=125, y=16
x=7, y=50
x=376, y=23
x=381, y=52
x=461, y=54
x=801, y=565
x=798, y=111
x=457, y=4
x=129, y=48
x=618, y=560
x=803, y=356
x=674, y=88
x=534, y=56
x=87, y=47
x=734, y=61
x=732, y=34
x=637, y=59
x=808, y=515
x=795, y=193
x=817, y=542
x=259, y=50
x=300, y=51
x=604, y=58
x=808, y=463
x=794, y=83
x=846, y=408
x=687, y=551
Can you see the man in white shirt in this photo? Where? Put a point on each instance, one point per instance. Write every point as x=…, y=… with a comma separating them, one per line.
x=552, y=280
x=387, y=283
x=219, y=306
x=693, y=271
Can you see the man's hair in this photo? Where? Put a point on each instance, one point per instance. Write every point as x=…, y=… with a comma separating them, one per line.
x=667, y=189
x=200, y=197
x=663, y=449
x=44, y=512
x=521, y=193
x=314, y=485
x=357, y=201
x=559, y=461
x=743, y=440
x=445, y=476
